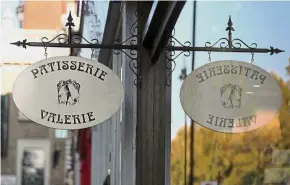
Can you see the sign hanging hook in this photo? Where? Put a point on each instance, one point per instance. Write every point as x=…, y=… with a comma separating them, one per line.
x=252, y=59
x=45, y=50
x=92, y=55
x=209, y=57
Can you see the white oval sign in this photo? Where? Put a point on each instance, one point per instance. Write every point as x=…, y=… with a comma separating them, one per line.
x=231, y=96
x=68, y=92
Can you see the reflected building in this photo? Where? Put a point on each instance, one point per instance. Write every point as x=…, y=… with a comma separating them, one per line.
x=31, y=154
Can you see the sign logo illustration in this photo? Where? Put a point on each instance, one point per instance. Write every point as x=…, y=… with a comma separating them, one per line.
x=231, y=96
x=68, y=92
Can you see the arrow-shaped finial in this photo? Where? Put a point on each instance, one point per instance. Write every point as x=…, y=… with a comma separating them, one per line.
x=19, y=43
x=70, y=21
x=276, y=50
x=230, y=25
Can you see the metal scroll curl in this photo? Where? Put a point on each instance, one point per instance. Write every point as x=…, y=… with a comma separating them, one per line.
x=61, y=39
x=237, y=43
x=226, y=43
x=77, y=39
x=132, y=54
x=133, y=64
x=65, y=39
x=172, y=55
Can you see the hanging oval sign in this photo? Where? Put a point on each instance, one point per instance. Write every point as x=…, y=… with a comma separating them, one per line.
x=68, y=92
x=231, y=96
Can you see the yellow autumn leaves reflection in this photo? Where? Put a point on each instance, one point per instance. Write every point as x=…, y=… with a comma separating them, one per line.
x=241, y=159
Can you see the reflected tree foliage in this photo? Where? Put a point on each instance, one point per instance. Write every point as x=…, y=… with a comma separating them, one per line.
x=288, y=68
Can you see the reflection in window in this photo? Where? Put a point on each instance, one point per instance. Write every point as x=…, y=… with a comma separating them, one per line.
x=254, y=158
x=33, y=166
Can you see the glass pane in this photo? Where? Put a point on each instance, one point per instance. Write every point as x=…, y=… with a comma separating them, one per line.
x=256, y=157
x=32, y=161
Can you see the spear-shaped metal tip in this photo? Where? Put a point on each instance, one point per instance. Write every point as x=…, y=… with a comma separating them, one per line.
x=230, y=25
x=69, y=17
x=70, y=20
x=276, y=50
x=281, y=51
x=15, y=43
x=19, y=43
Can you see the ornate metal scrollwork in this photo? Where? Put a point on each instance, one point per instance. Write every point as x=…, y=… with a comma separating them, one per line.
x=132, y=54
x=237, y=43
x=226, y=43
x=223, y=44
x=172, y=55
x=130, y=46
x=77, y=39
x=230, y=43
x=61, y=38
x=64, y=39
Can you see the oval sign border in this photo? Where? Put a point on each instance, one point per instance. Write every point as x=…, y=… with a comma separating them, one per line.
x=77, y=59
x=237, y=62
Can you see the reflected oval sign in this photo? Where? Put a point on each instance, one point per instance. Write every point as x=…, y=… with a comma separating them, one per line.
x=68, y=92
x=231, y=96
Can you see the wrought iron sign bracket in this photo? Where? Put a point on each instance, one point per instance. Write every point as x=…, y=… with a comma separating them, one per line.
x=129, y=47
x=71, y=40
x=225, y=45
x=132, y=45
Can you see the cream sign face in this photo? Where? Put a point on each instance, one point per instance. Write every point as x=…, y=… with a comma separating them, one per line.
x=231, y=96
x=68, y=92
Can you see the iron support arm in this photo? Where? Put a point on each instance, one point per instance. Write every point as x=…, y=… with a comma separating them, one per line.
x=216, y=49
x=65, y=45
